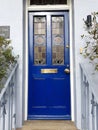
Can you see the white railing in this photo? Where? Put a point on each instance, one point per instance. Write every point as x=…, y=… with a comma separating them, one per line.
x=89, y=97
x=7, y=102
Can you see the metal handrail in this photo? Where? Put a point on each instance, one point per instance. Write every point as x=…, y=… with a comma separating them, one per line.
x=8, y=81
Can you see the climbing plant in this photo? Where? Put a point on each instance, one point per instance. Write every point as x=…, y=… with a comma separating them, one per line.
x=90, y=40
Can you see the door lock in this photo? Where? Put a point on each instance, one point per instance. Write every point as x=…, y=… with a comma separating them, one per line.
x=67, y=71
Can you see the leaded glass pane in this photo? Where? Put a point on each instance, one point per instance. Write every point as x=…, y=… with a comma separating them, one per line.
x=57, y=25
x=39, y=25
x=45, y=2
x=58, y=40
x=39, y=40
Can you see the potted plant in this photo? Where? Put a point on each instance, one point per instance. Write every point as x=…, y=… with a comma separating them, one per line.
x=7, y=59
x=90, y=39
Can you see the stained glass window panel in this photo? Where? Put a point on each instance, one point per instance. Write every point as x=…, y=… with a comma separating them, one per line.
x=39, y=40
x=58, y=40
x=57, y=25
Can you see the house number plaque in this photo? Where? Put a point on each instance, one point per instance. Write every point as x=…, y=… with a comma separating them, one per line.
x=5, y=31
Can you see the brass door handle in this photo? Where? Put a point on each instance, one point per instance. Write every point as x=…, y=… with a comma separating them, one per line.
x=67, y=71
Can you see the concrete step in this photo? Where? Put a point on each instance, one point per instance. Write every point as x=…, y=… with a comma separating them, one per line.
x=48, y=125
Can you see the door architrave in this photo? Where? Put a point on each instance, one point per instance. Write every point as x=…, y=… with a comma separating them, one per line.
x=72, y=86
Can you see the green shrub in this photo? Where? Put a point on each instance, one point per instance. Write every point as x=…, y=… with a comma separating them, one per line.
x=6, y=56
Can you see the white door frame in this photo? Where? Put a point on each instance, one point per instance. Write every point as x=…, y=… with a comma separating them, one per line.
x=51, y=8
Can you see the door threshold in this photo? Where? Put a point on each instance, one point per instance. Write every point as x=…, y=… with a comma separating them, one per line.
x=49, y=117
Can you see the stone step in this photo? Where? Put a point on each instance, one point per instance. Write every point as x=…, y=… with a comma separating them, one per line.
x=48, y=125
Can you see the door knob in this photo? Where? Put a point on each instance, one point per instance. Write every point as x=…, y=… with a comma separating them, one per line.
x=67, y=71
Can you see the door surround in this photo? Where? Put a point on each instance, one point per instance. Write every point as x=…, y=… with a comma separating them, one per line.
x=50, y=8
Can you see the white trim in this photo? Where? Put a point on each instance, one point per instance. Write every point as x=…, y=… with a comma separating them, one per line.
x=50, y=7
x=72, y=65
x=26, y=69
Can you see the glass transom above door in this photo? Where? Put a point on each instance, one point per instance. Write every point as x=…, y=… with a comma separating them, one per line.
x=47, y=2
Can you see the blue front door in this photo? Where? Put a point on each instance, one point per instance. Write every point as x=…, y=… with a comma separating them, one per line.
x=49, y=77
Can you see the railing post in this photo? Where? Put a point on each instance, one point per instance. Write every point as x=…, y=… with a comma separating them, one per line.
x=14, y=100
x=12, y=94
x=84, y=100
x=9, y=106
x=97, y=117
x=4, y=109
x=94, y=112
x=12, y=104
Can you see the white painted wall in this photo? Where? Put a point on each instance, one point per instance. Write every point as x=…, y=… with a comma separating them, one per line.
x=11, y=15
x=82, y=8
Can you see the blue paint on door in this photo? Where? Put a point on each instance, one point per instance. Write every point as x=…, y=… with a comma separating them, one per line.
x=48, y=93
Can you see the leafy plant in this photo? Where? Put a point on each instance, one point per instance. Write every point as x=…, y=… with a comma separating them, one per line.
x=90, y=39
x=6, y=57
